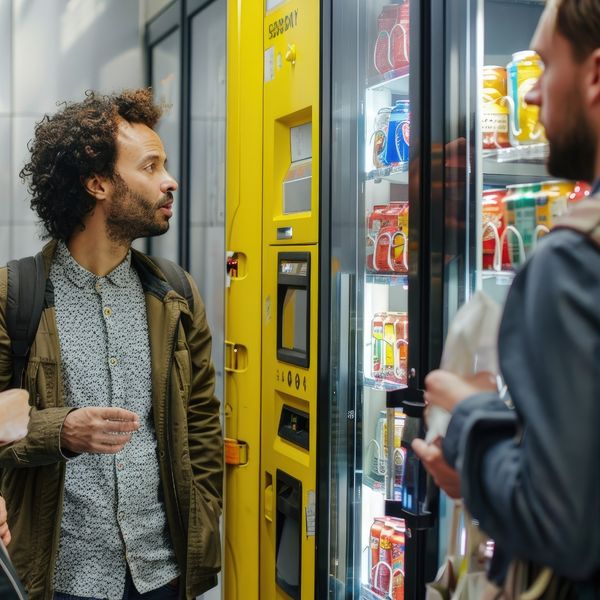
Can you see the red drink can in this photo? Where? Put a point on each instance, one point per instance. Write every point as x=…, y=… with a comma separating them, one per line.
x=492, y=222
x=581, y=190
x=399, y=38
x=384, y=568
x=376, y=528
x=398, y=545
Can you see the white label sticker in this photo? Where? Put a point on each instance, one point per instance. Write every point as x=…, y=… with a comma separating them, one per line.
x=271, y=4
x=311, y=514
x=269, y=64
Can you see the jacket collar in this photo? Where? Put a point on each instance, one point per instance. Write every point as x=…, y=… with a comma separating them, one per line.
x=151, y=277
x=82, y=278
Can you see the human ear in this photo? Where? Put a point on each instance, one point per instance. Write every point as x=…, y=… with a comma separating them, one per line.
x=593, y=79
x=96, y=186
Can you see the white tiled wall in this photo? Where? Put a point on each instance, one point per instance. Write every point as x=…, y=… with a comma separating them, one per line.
x=54, y=50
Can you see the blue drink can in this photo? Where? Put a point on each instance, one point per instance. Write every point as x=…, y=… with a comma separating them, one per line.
x=397, y=148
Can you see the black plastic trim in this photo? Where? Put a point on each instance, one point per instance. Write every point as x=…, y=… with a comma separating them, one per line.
x=163, y=24
x=194, y=6
x=410, y=400
x=288, y=355
x=299, y=438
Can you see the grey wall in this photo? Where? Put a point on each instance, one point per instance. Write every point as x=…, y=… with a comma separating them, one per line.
x=53, y=50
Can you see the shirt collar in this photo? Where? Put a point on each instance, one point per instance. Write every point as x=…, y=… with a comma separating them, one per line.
x=83, y=278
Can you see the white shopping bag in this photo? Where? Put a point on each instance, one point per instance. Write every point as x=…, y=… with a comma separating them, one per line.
x=471, y=347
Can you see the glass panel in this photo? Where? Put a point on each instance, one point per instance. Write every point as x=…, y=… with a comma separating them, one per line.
x=207, y=168
x=371, y=122
x=383, y=362
x=166, y=83
x=512, y=201
x=519, y=201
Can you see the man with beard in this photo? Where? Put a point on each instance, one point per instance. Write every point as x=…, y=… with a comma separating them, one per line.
x=531, y=475
x=116, y=490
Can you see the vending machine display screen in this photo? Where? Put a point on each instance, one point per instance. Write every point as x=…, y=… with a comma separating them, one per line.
x=293, y=308
x=293, y=334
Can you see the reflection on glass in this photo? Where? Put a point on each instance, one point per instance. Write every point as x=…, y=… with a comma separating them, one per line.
x=166, y=84
x=518, y=203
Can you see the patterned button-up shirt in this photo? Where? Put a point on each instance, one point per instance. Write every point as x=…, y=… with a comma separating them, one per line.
x=113, y=513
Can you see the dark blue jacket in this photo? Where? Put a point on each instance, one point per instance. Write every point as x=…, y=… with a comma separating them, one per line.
x=531, y=475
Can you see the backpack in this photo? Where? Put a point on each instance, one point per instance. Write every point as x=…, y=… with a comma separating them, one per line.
x=26, y=297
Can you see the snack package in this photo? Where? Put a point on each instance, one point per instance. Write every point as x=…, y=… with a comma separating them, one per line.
x=471, y=347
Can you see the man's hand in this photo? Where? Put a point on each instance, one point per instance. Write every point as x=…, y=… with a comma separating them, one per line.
x=443, y=474
x=4, y=530
x=98, y=430
x=14, y=415
x=446, y=390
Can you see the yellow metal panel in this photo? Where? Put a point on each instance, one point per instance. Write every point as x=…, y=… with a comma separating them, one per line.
x=243, y=308
x=295, y=387
x=291, y=98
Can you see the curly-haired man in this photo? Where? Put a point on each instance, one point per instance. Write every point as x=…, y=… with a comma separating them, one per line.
x=116, y=491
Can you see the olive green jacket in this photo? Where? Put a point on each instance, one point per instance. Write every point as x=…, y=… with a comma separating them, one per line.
x=188, y=431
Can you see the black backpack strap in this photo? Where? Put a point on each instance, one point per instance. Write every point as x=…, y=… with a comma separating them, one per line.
x=176, y=277
x=11, y=587
x=24, y=305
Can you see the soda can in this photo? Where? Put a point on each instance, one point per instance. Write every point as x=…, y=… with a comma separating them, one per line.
x=519, y=218
x=397, y=144
x=402, y=131
x=384, y=568
x=399, y=453
x=398, y=249
x=581, y=191
x=398, y=568
x=398, y=430
x=399, y=38
x=380, y=132
x=523, y=72
x=494, y=108
x=401, y=348
x=386, y=21
x=377, y=344
x=378, y=465
x=374, y=536
x=399, y=463
x=389, y=344
x=492, y=221
x=552, y=203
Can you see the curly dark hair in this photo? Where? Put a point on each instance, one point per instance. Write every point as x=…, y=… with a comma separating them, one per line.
x=74, y=144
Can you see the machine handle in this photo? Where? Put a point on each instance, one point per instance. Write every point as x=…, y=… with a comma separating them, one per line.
x=236, y=357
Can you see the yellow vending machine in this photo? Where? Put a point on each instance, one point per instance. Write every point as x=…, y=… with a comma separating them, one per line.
x=289, y=302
